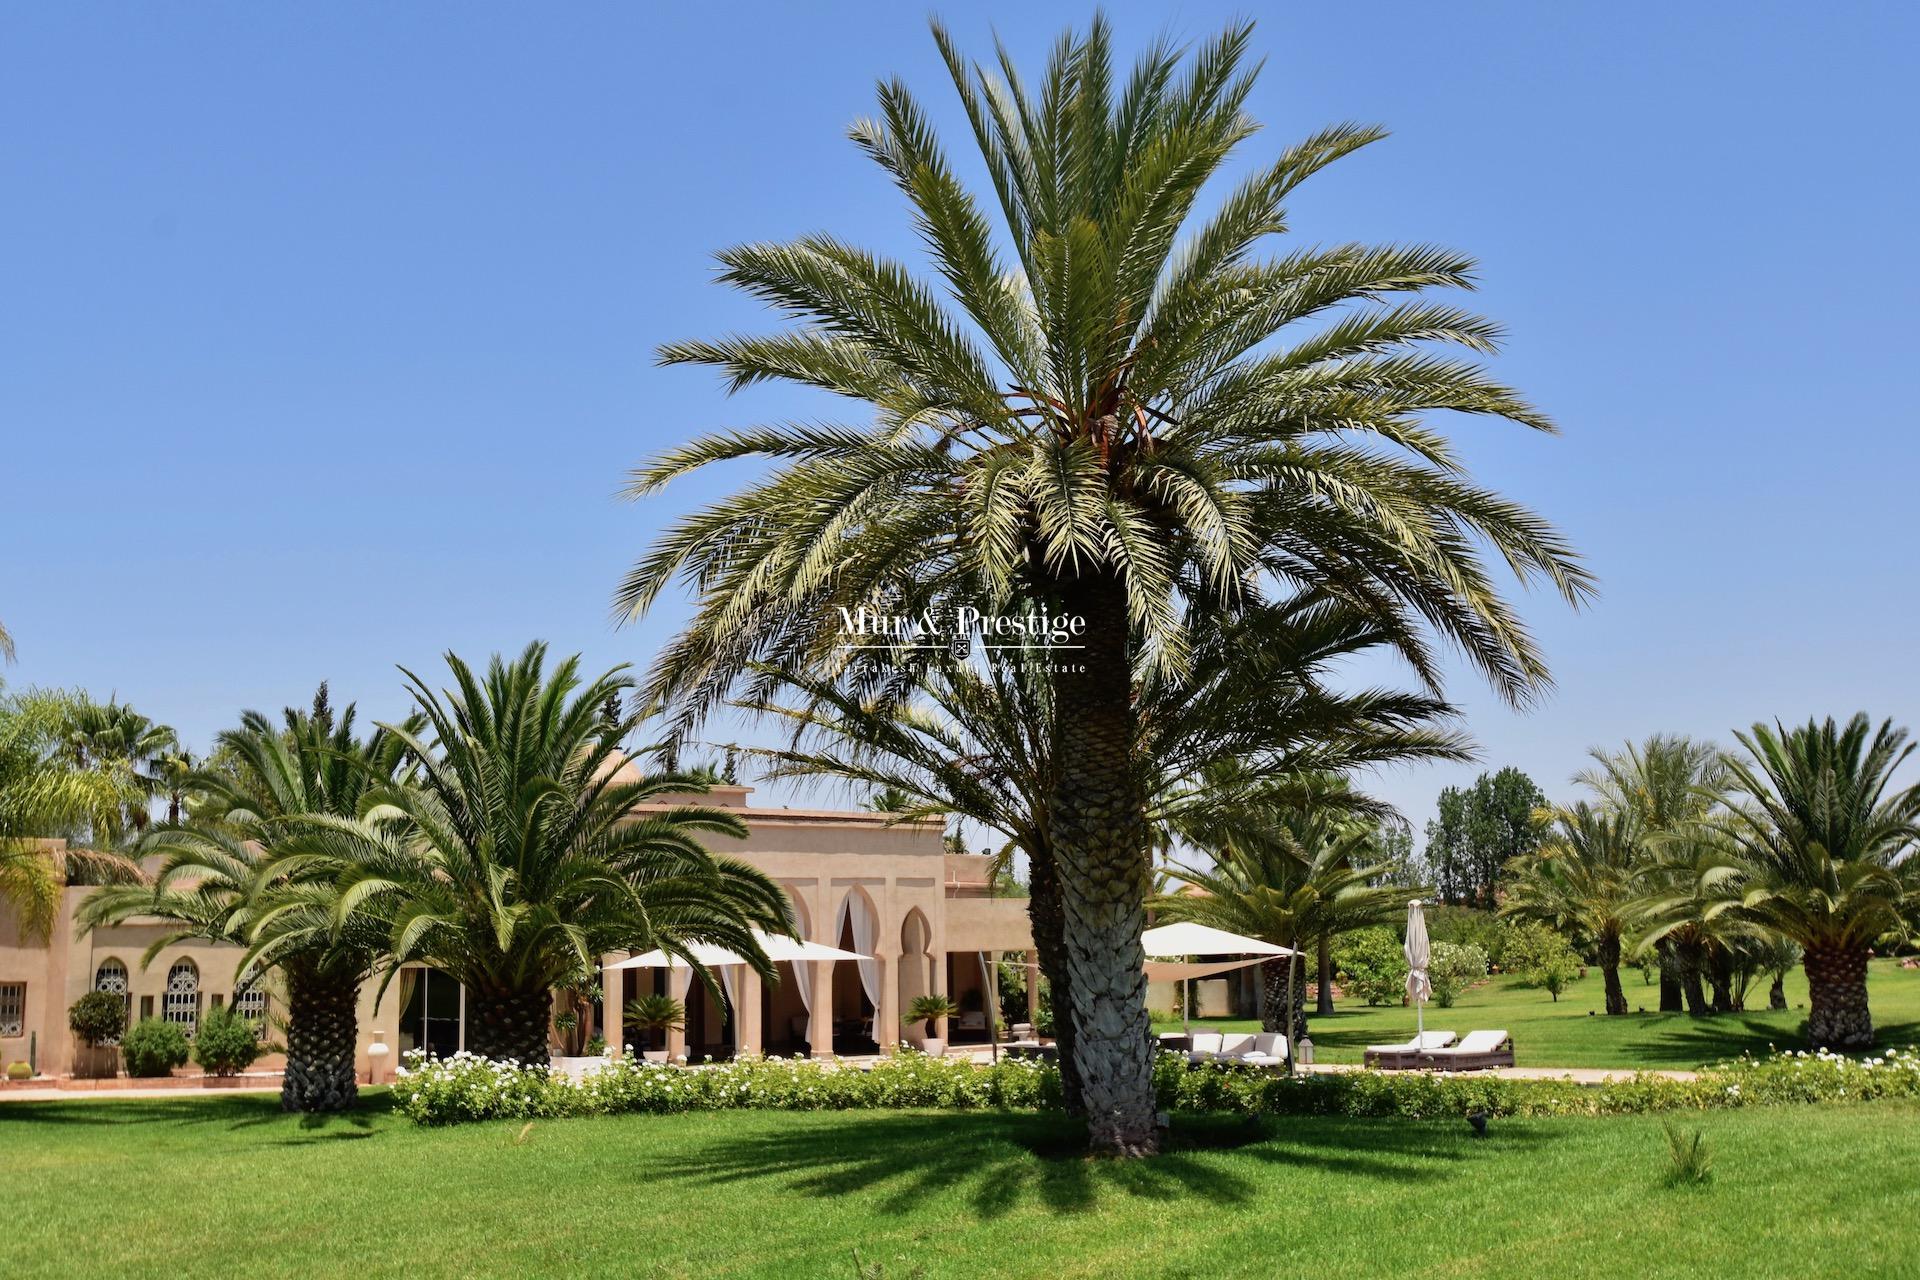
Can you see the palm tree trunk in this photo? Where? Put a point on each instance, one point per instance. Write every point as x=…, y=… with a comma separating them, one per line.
x=1691, y=955
x=1324, y=1004
x=1669, y=977
x=1837, y=1014
x=1720, y=972
x=510, y=1024
x=1050, y=947
x=1273, y=976
x=1610, y=972
x=1101, y=850
x=322, y=1031
x=1299, y=1003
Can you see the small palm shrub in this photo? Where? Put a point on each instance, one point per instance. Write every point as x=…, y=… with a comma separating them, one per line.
x=97, y=1018
x=1690, y=1164
x=227, y=1043
x=656, y=1013
x=1371, y=965
x=1453, y=968
x=153, y=1047
x=929, y=1009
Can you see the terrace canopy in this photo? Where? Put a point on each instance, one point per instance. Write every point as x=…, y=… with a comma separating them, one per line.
x=1171, y=949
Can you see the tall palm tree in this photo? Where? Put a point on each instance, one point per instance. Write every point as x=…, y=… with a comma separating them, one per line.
x=1824, y=851
x=1581, y=881
x=1107, y=405
x=1290, y=874
x=519, y=855
x=7, y=650
x=223, y=875
x=1668, y=786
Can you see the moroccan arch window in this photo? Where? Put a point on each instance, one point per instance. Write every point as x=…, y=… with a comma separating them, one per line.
x=182, y=1007
x=13, y=1009
x=250, y=1001
x=111, y=977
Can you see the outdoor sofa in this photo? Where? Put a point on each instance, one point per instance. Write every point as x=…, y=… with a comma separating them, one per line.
x=1265, y=1049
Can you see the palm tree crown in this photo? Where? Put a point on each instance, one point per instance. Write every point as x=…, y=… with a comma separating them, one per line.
x=1126, y=392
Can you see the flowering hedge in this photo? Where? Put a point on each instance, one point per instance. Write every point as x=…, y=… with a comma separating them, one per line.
x=463, y=1087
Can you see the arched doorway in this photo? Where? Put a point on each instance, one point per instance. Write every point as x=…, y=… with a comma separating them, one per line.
x=856, y=983
x=916, y=967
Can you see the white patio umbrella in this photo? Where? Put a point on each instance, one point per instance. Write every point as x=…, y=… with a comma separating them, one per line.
x=1189, y=939
x=1419, y=956
x=777, y=946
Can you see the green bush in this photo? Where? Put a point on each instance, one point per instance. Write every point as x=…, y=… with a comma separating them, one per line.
x=98, y=1017
x=227, y=1043
x=1371, y=965
x=19, y=1071
x=1453, y=967
x=1537, y=955
x=153, y=1048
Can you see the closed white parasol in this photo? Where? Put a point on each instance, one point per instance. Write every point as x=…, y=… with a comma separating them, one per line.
x=1419, y=956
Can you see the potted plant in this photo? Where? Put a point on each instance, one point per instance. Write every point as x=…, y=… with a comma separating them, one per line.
x=929, y=1010
x=655, y=1013
x=98, y=1019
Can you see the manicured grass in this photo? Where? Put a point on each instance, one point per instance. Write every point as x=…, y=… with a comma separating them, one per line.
x=221, y=1187
x=1562, y=1034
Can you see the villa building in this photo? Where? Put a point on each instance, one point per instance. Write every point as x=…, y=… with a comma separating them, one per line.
x=859, y=881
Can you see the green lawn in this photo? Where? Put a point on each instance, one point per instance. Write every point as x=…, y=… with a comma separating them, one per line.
x=223, y=1187
x=1573, y=1032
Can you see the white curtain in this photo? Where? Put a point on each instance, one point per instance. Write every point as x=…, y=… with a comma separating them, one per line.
x=866, y=931
x=730, y=983
x=803, y=983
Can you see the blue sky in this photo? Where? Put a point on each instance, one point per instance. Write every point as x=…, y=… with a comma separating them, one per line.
x=325, y=331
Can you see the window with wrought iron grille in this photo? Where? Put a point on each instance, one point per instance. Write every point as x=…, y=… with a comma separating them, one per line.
x=182, y=1005
x=250, y=1001
x=111, y=977
x=13, y=1008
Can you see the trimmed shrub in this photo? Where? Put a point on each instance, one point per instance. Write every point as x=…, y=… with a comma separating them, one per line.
x=227, y=1043
x=154, y=1047
x=1371, y=965
x=19, y=1071
x=97, y=1018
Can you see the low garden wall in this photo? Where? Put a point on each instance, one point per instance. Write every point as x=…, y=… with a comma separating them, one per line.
x=466, y=1088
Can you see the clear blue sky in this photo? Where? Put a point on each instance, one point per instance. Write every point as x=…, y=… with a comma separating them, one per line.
x=325, y=331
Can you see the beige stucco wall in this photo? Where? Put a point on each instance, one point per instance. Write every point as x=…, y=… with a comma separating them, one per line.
x=900, y=871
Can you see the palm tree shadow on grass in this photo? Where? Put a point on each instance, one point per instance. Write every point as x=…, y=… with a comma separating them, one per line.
x=1001, y=1161
x=188, y=1111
